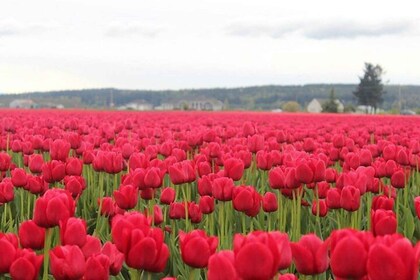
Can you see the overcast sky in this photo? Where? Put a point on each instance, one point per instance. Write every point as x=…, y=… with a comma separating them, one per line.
x=133, y=44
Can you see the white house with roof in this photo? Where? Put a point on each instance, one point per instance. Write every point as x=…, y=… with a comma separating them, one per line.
x=22, y=104
x=315, y=106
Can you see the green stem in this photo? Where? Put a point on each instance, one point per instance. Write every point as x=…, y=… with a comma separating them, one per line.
x=47, y=246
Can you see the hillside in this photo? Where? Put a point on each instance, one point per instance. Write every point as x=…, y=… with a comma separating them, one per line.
x=252, y=98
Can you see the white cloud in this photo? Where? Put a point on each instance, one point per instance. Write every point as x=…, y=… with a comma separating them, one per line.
x=13, y=27
x=319, y=29
x=119, y=29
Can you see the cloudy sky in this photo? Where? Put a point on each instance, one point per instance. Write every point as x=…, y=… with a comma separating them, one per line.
x=132, y=44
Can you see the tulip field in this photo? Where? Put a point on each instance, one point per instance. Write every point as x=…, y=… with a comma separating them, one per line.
x=203, y=195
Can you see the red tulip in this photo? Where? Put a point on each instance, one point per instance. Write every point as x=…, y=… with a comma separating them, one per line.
x=19, y=177
x=53, y=171
x=304, y=173
x=167, y=196
x=264, y=160
x=182, y=172
x=398, y=179
x=233, y=168
x=206, y=204
x=392, y=257
x=59, y=150
x=74, y=167
x=142, y=245
x=177, y=210
x=333, y=198
x=320, y=210
x=350, y=198
x=75, y=185
x=31, y=235
x=269, y=202
x=116, y=258
x=256, y=256
x=5, y=161
x=113, y=162
x=97, y=267
x=26, y=266
x=383, y=222
x=255, y=143
x=126, y=196
x=35, y=163
x=152, y=178
x=92, y=246
x=67, y=262
x=8, y=253
x=73, y=232
x=310, y=255
x=7, y=193
x=382, y=202
x=222, y=266
x=276, y=178
x=222, y=188
x=246, y=199
x=196, y=247
x=54, y=206
x=349, y=253
x=36, y=185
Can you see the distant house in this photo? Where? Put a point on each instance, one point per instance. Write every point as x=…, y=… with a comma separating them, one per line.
x=204, y=104
x=22, y=104
x=315, y=106
x=165, y=107
x=139, y=105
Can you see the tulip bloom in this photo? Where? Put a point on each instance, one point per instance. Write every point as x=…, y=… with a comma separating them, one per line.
x=126, y=196
x=19, y=177
x=67, y=262
x=53, y=171
x=182, y=172
x=59, y=150
x=206, y=204
x=26, y=266
x=35, y=163
x=392, y=257
x=310, y=255
x=74, y=167
x=383, y=222
x=350, y=198
x=73, y=232
x=54, y=206
x=116, y=258
x=7, y=191
x=196, y=247
x=246, y=199
x=256, y=256
x=8, y=253
x=97, y=267
x=31, y=235
x=269, y=202
x=234, y=168
x=143, y=246
x=222, y=188
x=349, y=253
x=222, y=266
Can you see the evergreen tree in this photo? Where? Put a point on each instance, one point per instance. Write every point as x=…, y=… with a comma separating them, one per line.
x=331, y=105
x=370, y=90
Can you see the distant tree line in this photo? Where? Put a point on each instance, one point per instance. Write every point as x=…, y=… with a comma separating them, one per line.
x=251, y=98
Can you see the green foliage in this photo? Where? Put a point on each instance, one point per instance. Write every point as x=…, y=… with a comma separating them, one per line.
x=331, y=105
x=291, y=106
x=370, y=90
